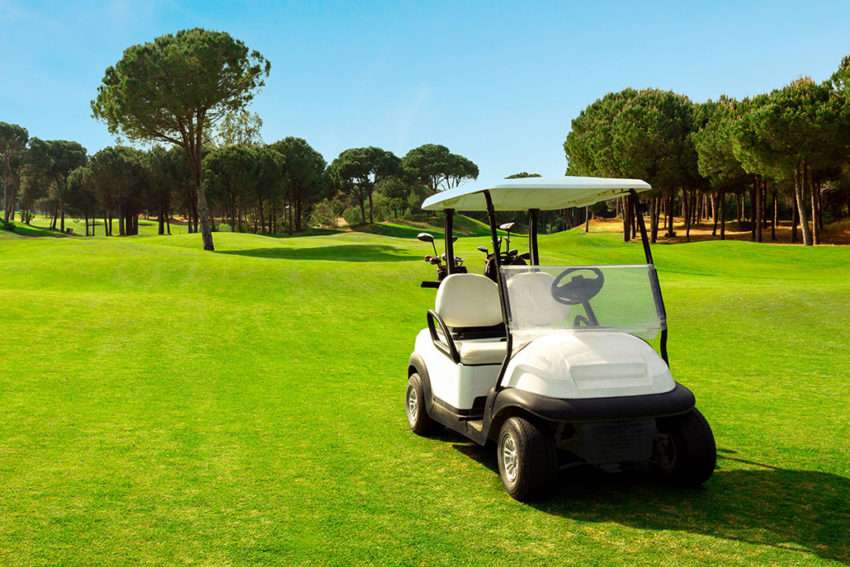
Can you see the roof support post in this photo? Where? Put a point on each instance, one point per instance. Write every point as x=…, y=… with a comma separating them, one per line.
x=503, y=300
x=656, y=285
x=450, y=245
x=533, y=215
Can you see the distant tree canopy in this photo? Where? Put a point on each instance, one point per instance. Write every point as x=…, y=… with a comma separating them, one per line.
x=358, y=170
x=174, y=88
x=117, y=176
x=304, y=180
x=522, y=175
x=792, y=140
x=44, y=171
x=241, y=177
x=437, y=168
x=13, y=145
x=640, y=134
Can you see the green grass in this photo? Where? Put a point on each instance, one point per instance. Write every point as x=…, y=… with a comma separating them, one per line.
x=162, y=405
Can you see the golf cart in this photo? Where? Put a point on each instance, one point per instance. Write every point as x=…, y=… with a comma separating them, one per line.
x=553, y=364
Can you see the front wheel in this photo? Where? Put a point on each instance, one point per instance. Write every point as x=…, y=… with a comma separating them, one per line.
x=417, y=416
x=685, y=452
x=528, y=461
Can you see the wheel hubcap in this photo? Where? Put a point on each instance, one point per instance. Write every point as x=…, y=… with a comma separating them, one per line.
x=510, y=459
x=412, y=405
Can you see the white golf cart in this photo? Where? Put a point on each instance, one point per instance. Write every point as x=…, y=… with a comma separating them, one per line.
x=553, y=363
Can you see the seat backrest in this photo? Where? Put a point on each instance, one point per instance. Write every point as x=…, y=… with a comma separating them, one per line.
x=532, y=304
x=468, y=300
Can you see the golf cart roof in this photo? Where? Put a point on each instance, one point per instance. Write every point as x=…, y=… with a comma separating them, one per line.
x=544, y=193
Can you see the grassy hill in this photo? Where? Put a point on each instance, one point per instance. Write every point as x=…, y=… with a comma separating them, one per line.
x=162, y=404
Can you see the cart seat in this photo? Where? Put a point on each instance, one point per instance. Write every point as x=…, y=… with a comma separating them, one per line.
x=468, y=300
x=481, y=352
x=469, y=305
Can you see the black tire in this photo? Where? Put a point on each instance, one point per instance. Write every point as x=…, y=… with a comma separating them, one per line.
x=685, y=453
x=417, y=416
x=532, y=475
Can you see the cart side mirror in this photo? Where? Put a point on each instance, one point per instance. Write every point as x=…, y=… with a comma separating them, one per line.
x=425, y=237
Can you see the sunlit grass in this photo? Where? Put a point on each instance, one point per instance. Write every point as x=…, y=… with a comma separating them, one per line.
x=162, y=404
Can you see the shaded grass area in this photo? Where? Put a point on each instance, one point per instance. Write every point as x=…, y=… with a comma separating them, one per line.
x=463, y=226
x=347, y=253
x=162, y=405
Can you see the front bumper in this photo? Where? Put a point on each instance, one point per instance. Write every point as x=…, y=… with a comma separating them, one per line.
x=677, y=401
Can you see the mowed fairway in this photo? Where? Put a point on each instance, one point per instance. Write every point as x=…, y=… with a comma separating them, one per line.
x=161, y=404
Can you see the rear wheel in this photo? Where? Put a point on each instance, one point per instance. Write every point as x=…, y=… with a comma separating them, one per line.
x=685, y=452
x=417, y=416
x=528, y=462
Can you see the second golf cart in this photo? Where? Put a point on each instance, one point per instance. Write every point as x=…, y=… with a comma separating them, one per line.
x=553, y=364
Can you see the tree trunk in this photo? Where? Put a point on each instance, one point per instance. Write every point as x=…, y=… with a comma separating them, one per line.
x=658, y=207
x=687, y=204
x=714, y=214
x=627, y=218
x=668, y=221
x=290, y=227
x=759, y=214
x=299, y=211
x=653, y=219
x=722, y=199
x=753, y=209
x=203, y=210
x=794, y=216
x=739, y=207
x=587, y=219
x=813, y=190
x=775, y=216
x=9, y=190
x=799, y=194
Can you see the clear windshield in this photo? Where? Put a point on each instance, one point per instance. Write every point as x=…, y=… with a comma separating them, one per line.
x=543, y=299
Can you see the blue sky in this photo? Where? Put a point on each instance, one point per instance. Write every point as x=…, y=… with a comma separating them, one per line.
x=497, y=82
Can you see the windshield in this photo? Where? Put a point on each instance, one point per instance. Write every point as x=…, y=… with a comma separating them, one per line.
x=543, y=299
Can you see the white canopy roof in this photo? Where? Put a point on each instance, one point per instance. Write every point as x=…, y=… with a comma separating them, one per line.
x=544, y=193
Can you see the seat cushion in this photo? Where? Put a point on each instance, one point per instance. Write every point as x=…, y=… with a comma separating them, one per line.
x=468, y=300
x=481, y=352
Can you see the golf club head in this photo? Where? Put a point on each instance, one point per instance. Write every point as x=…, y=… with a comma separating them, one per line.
x=483, y=249
x=508, y=226
x=425, y=237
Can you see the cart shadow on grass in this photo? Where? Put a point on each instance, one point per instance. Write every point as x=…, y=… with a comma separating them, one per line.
x=795, y=510
x=343, y=253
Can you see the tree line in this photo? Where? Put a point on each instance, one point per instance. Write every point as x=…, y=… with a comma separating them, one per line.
x=251, y=186
x=762, y=161
x=779, y=155
x=185, y=96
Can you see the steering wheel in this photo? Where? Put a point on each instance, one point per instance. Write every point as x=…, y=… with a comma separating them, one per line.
x=579, y=289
